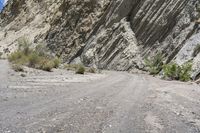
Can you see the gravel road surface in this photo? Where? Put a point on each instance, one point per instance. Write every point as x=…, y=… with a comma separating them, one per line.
x=112, y=102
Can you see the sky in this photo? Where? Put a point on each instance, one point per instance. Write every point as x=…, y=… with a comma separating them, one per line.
x=2, y=3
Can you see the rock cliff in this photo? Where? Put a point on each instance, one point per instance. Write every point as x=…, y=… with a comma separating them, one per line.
x=112, y=34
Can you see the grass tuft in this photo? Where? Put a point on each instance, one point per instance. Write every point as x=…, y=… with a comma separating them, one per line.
x=80, y=69
x=56, y=62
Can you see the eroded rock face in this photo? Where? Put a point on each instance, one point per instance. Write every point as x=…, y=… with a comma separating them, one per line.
x=73, y=25
x=25, y=18
x=112, y=48
x=111, y=34
x=159, y=26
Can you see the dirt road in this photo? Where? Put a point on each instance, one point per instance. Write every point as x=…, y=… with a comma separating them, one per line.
x=4, y=68
x=113, y=102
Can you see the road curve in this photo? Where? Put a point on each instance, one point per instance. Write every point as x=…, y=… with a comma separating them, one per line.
x=115, y=102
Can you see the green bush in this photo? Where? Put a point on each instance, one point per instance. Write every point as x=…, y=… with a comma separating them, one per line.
x=175, y=72
x=185, y=72
x=172, y=71
x=16, y=56
x=80, y=69
x=46, y=65
x=196, y=50
x=56, y=62
x=155, y=64
x=33, y=58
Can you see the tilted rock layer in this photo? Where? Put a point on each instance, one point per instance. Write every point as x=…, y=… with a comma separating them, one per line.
x=111, y=34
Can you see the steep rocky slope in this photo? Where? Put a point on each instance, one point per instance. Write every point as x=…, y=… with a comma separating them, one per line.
x=113, y=34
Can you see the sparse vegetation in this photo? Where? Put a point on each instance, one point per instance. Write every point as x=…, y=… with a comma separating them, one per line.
x=80, y=69
x=56, y=62
x=17, y=68
x=196, y=50
x=71, y=67
x=171, y=71
x=175, y=72
x=46, y=65
x=186, y=71
x=35, y=58
x=154, y=64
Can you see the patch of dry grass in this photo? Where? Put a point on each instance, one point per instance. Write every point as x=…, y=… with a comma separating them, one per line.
x=34, y=58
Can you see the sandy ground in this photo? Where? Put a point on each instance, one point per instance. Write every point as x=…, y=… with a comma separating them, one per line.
x=111, y=102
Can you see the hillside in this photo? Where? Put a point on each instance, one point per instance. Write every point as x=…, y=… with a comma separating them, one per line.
x=81, y=66
x=117, y=34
